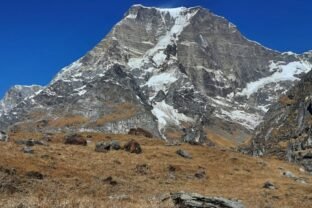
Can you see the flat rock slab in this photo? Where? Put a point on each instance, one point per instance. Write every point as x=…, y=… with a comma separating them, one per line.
x=193, y=200
x=184, y=154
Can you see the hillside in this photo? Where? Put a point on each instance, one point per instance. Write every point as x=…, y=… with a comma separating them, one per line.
x=77, y=176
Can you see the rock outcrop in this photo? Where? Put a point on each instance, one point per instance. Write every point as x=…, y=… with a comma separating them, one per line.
x=193, y=200
x=287, y=128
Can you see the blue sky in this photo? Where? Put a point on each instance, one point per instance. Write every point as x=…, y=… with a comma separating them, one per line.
x=39, y=37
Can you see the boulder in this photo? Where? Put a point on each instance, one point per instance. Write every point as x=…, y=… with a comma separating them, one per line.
x=140, y=132
x=133, y=147
x=193, y=200
x=28, y=150
x=3, y=136
x=34, y=175
x=75, y=139
x=109, y=180
x=200, y=173
x=184, y=154
x=269, y=185
x=107, y=146
x=115, y=145
x=102, y=147
x=289, y=174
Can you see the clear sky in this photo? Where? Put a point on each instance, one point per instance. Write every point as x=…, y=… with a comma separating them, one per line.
x=39, y=37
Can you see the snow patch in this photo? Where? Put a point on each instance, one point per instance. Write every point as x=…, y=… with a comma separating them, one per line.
x=248, y=120
x=162, y=81
x=283, y=72
x=167, y=115
x=181, y=17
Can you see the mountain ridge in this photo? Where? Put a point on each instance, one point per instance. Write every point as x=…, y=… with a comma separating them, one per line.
x=185, y=80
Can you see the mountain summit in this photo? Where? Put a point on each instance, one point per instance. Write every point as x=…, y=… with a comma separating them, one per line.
x=174, y=72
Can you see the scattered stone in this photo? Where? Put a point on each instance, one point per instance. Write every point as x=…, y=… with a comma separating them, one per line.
x=9, y=182
x=300, y=180
x=3, y=136
x=133, y=147
x=28, y=150
x=184, y=154
x=35, y=175
x=201, y=173
x=8, y=171
x=75, y=139
x=115, y=145
x=289, y=174
x=269, y=185
x=142, y=169
x=31, y=142
x=107, y=146
x=109, y=180
x=193, y=200
x=121, y=197
x=140, y=132
x=22, y=205
x=171, y=168
x=102, y=147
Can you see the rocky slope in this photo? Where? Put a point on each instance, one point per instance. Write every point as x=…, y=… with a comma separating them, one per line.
x=176, y=72
x=60, y=175
x=286, y=130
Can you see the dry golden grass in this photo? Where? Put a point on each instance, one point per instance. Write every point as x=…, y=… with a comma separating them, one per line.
x=174, y=134
x=68, y=121
x=219, y=140
x=120, y=112
x=75, y=175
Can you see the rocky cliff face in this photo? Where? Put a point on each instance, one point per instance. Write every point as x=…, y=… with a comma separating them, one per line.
x=174, y=72
x=16, y=95
x=286, y=130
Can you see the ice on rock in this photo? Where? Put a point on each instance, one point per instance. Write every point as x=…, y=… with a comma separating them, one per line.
x=282, y=72
x=167, y=115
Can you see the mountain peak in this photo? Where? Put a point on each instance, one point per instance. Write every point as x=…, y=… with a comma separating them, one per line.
x=173, y=12
x=165, y=8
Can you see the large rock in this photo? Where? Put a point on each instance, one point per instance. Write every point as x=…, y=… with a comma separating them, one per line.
x=107, y=146
x=3, y=136
x=184, y=153
x=133, y=147
x=75, y=139
x=27, y=150
x=193, y=200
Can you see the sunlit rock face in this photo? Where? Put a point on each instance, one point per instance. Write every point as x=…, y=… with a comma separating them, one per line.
x=174, y=72
x=286, y=131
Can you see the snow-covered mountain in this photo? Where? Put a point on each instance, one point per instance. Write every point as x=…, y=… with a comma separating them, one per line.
x=174, y=72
